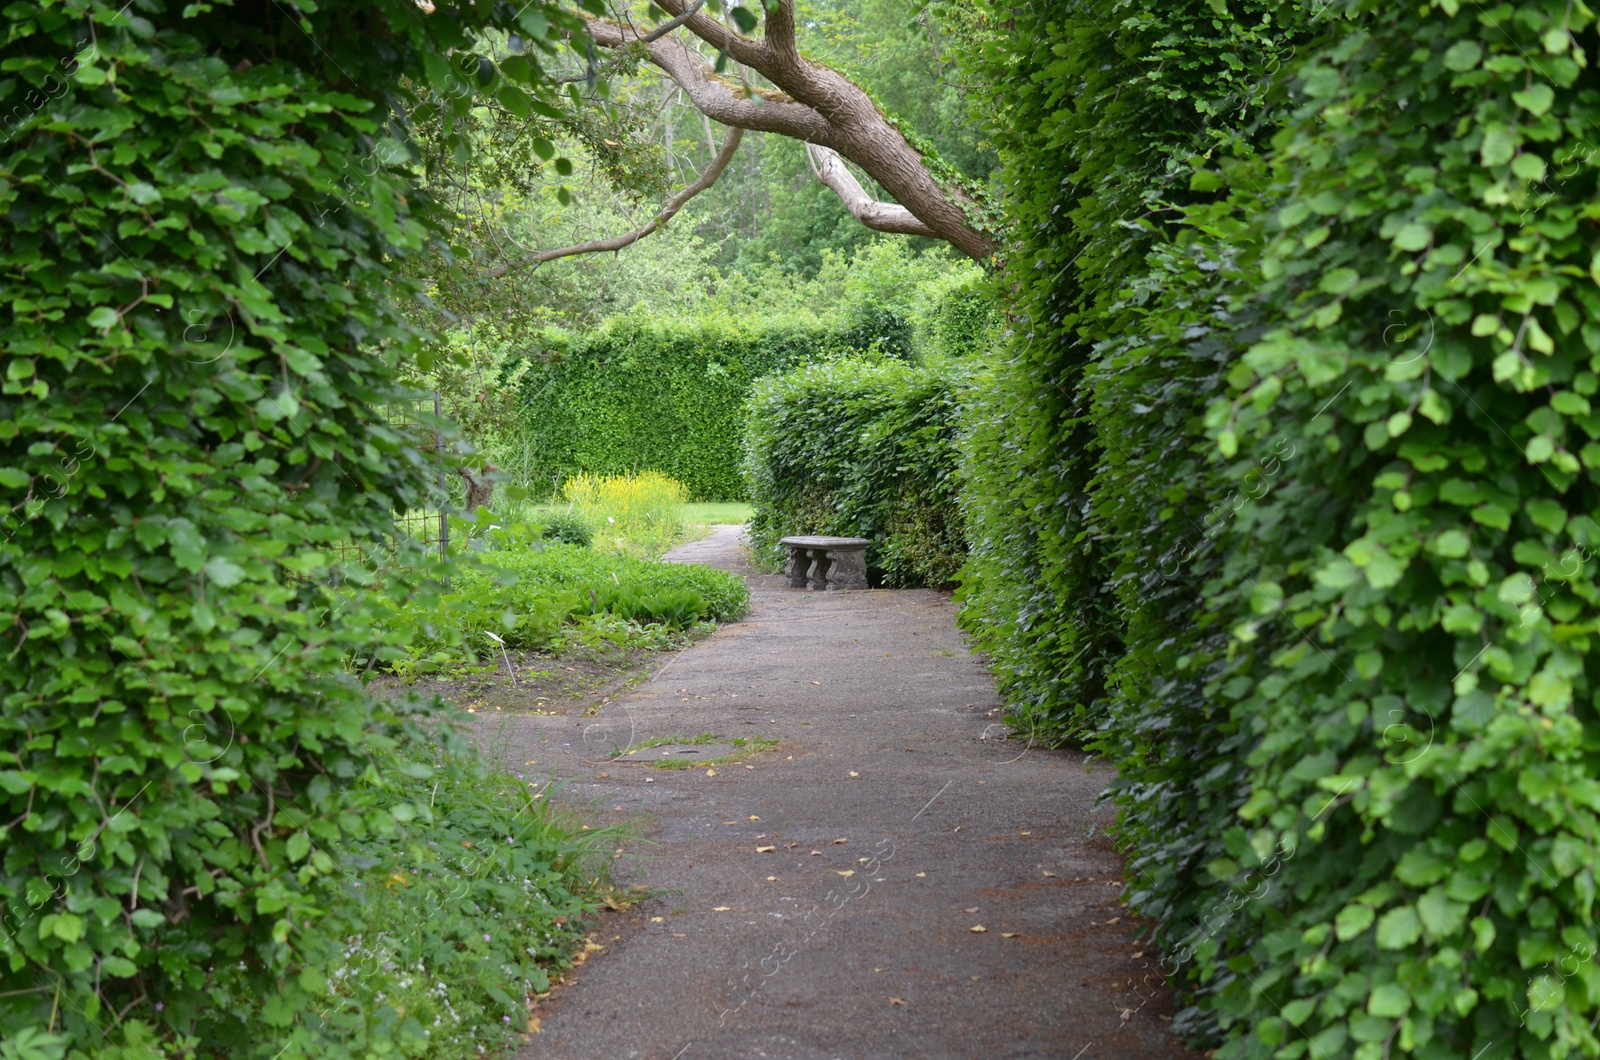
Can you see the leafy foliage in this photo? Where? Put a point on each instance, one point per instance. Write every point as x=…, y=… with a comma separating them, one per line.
x=540, y=598
x=201, y=207
x=1330, y=495
x=665, y=395
x=860, y=449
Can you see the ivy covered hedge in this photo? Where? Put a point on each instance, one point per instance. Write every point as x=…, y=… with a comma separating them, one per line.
x=1286, y=500
x=860, y=449
x=199, y=341
x=661, y=395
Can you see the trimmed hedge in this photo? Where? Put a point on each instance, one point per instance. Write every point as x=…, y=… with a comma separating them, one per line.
x=640, y=394
x=860, y=449
x=1315, y=537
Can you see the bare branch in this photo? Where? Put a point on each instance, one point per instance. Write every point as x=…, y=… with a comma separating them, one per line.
x=872, y=213
x=673, y=205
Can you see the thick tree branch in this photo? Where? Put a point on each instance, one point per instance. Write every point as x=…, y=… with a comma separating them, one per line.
x=818, y=105
x=876, y=215
x=719, y=99
x=673, y=205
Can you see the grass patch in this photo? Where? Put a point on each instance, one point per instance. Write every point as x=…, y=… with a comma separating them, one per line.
x=746, y=748
x=717, y=513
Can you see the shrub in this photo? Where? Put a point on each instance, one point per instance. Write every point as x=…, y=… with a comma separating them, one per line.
x=200, y=206
x=860, y=449
x=566, y=527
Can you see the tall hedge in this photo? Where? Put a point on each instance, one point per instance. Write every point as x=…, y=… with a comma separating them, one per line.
x=861, y=449
x=665, y=395
x=201, y=206
x=1340, y=489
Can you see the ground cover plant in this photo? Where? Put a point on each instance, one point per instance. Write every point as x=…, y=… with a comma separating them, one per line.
x=860, y=449
x=547, y=597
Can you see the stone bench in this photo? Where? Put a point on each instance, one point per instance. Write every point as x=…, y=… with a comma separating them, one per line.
x=827, y=562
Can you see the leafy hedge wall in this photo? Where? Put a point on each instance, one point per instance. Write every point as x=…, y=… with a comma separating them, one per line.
x=860, y=449
x=200, y=203
x=643, y=394
x=1315, y=532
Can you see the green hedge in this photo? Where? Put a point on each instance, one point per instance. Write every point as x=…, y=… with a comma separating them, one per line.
x=1315, y=536
x=860, y=449
x=659, y=395
x=200, y=338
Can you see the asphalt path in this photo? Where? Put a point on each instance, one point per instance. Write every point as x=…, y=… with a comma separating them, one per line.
x=893, y=878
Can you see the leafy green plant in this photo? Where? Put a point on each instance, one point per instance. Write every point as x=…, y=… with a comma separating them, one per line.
x=567, y=527
x=202, y=207
x=860, y=449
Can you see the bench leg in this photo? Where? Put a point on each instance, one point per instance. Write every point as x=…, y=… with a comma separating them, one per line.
x=820, y=562
x=799, y=567
x=848, y=570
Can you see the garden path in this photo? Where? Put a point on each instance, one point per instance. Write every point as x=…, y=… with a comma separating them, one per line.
x=773, y=935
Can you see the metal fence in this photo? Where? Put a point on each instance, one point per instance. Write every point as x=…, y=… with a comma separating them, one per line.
x=429, y=526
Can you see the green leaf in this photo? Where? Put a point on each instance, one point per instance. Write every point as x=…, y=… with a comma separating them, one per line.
x=1389, y=1001
x=1462, y=55
x=299, y=846
x=103, y=317
x=1535, y=99
x=743, y=18
x=1399, y=928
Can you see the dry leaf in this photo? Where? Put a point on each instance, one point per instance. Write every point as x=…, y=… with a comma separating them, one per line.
x=1009, y=934
x=533, y=1024
x=772, y=879
x=753, y=817
x=1113, y=920
x=970, y=909
x=711, y=772
x=679, y=935
x=841, y=840
x=816, y=682
x=1050, y=875
x=921, y=874
x=977, y=929
x=721, y=908
x=845, y=872
x=897, y=1001
x=658, y=920
x=765, y=850
x=853, y=773
x=816, y=853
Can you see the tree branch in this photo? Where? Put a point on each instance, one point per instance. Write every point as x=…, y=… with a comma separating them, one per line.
x=817, y=105
x=673, y=205
x=872, y=213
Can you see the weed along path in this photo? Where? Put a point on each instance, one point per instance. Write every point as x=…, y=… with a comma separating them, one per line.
x=849, y=859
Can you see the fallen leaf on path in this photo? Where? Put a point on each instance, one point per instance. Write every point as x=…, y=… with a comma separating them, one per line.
x=721, y=908
x=816, y=682
x=853, y=773
x=816, y=853
x=1010, y=934
x=711, y=772
x=658, y=920
x=977, y=929
x=790, y=846
x=845, y=872
x=730, y=822
x=1114, y=920
x=897, y=1001
x=845, y=839
x=765, y=850
x=649, y=780
x=920, y=874
x=753, y=817
x=1051, y=875
x=970, y=909
x=772, y=879
x=533, y=1025
x=679, y=935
